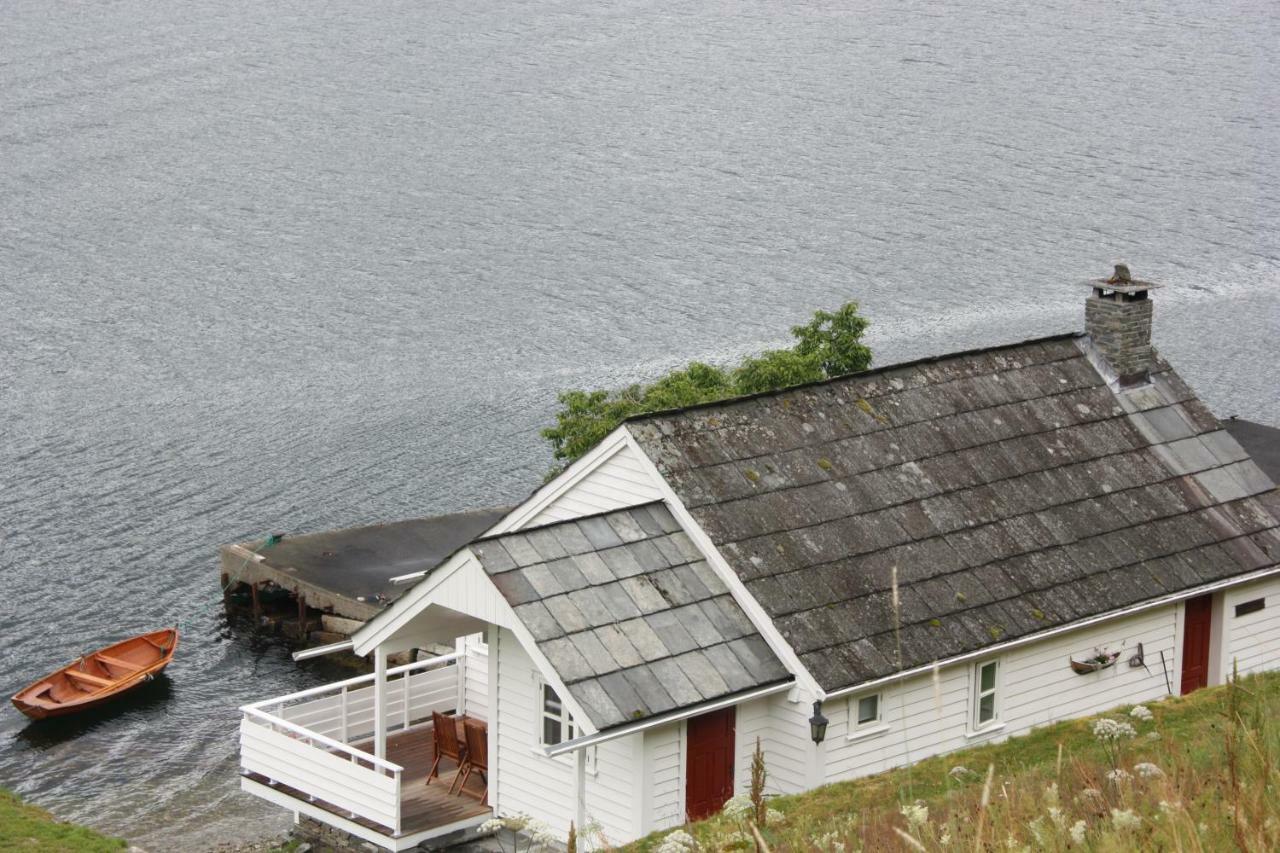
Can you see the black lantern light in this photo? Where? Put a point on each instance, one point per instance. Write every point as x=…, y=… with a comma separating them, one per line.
x=818, y=724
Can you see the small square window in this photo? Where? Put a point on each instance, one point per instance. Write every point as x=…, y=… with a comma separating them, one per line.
x=986, y=710
x=865, y=713
x=869, y=709
x=1244, y=608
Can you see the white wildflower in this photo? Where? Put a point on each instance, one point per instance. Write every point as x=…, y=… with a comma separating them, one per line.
x=773, y=817
x=1077, y=832
x=960, y=772
x=1109, y=730
x=677, y=842
x=1119, y=775
x=1089, y=794
x=1147, y=770
x=1141, y=712
x=1125, y=819
x=831, y=841
x=1153, y=736
x=1058, y=816
x=1203, y=827
x=917, y=814
x=1012, y=843
x=736, y=839
x=493, y=824
x=945, y=840
x=739, y=807
x=1169, y=807
x=1039, y=831
x=539, y=833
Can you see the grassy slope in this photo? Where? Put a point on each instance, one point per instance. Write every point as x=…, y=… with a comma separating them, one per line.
x=27, y=828
x=1218, y=749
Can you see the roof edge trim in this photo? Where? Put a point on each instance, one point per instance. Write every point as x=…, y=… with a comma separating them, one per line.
x=669, y=717
x=1171, y=598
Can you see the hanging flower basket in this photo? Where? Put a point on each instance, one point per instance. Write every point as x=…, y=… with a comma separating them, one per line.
x=1101, y=659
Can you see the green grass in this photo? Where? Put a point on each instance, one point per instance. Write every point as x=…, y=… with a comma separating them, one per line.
x=1217, y=750
x=27, y=828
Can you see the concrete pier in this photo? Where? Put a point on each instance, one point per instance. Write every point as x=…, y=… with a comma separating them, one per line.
x=323, y=586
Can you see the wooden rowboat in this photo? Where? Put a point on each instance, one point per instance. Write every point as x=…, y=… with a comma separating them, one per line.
x=99, y=677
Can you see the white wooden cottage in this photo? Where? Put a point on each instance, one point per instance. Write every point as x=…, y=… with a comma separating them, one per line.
x=714, y=575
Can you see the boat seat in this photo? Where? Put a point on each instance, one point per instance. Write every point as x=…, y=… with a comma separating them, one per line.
x=123, y=664
x=91, y=679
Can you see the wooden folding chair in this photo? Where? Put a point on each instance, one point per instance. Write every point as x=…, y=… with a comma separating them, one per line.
x=444, y=735
x=477, y=734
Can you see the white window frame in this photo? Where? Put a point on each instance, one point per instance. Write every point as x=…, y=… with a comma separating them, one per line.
x=857, y=729
x=568, y=728
x=976, y=723
x=565, y=719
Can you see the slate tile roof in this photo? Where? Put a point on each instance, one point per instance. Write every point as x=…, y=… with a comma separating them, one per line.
x=629, y=613
x=1010, y=490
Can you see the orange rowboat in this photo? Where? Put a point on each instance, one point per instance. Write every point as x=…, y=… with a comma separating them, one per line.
x=99, y=677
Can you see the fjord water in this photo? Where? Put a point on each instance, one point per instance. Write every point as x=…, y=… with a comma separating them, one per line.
x=290, y=266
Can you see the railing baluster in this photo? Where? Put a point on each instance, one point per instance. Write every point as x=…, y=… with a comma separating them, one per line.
x=344, y=737
x=405, y=679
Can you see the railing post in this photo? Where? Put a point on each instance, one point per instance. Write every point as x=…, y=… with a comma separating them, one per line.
x=380, y=702
x=461, y=665
x=405, y=678
x=343, y=728
x=397, y=826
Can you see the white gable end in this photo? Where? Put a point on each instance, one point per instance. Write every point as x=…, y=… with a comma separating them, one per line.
x=612, y=476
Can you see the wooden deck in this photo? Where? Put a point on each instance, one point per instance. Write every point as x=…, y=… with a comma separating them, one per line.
x=422, y=806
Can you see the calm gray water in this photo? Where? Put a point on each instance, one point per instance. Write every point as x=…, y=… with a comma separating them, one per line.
x=288, y=266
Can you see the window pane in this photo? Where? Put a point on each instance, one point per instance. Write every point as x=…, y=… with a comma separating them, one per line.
x=987, y=708
x=988, y=676
x=550, y=701
x=868, y=709
x=550, y=731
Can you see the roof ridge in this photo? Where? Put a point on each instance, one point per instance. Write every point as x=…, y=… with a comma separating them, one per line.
x=873, y=371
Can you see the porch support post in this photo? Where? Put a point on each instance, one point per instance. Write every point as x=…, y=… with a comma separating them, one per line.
x=380, y=702
x=580, y=787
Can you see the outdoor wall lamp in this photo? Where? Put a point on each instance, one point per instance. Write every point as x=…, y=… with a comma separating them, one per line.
x=818, y=724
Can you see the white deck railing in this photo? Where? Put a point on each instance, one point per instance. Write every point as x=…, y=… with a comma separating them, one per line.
x=304, y=740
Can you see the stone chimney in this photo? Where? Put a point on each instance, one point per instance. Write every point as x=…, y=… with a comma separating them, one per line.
x=1117, y=318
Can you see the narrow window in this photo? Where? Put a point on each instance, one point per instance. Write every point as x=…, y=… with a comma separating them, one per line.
x=986, y=710
x=866, y=712
x=1247, y=607
x=557, y=725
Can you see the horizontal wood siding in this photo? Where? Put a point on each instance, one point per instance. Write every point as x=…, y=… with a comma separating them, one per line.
x=527, y=782
x=664, y=752
x=613, y=790
x=1037, y=687
x=1253, y=640
x=617, y=482
x=783, y=730
x=469, y=590
x=476, y=681
x=282, y=757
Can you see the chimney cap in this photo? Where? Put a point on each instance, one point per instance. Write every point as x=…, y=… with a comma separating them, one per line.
x=1122, y=282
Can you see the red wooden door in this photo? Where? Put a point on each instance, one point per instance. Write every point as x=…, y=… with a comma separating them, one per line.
x=1195, y=643
x=709, y=764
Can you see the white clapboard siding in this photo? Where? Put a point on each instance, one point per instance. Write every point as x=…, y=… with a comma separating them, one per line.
x=664, y=760
x=1253, y=640
x=783, y=729
x=543, y=787
x=1037, y=687
x=616, y=482
x=528, y=782
x=469, y=590
x=476, y=681
x=614, y=791
x=429, y=690
x=314, y=770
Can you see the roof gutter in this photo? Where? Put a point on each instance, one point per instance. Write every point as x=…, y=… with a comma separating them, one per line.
x=1171, y=598
x=663, y=719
